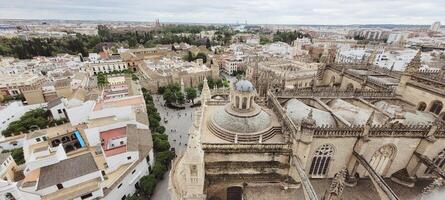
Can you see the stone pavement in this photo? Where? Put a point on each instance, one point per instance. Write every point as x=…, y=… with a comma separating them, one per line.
x=176, y=126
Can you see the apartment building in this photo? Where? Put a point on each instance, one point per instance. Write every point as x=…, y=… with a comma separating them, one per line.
x=101, y=154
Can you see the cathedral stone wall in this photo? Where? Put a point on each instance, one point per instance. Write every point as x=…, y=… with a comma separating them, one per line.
x=245, y=157
x=346, y=81
x=330, y=76
x=342, y=152
x=432, y=150
x=404, y=149
x=343, y=148
x=416, y=95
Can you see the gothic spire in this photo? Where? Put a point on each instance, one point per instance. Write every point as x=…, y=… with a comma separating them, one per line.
x=205, y=93
x=308, y=121
x=371, y=118
x=415, y=64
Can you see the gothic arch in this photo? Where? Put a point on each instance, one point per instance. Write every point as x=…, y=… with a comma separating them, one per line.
x=321, y=160
x=421, y=106
x=382, y=158
x=436, y=106
x=439, y=161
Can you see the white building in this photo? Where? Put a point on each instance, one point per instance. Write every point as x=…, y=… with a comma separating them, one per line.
x=351, y=56
x=13, y=111
x=102, y=154
x=397, y=38
x=105, y=66
x=57, y=107
x=232, y=64
x=435, y=27
x=253, y=40
x=280, y=49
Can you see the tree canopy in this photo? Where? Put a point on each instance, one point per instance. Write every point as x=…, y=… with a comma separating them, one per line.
x=191, y=94
x=288, y=37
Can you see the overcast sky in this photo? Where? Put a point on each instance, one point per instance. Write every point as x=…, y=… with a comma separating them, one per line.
x=232, y=11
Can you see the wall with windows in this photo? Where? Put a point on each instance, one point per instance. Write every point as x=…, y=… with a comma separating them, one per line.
x=383, y=154
x=12, y=142
x=342, y=151
x=106, y=67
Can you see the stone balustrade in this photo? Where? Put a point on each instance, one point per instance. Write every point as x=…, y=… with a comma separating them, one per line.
x=398, y=130
x=332, y=92
x=246, y=148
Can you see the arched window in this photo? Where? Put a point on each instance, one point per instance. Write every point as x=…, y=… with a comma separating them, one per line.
x=436, y=107
x=381, y=159
x=244, y=103
x=421, y=106
x=321, y=160
x=439, y=161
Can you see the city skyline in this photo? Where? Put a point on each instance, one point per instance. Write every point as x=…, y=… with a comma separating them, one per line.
x=340, y=12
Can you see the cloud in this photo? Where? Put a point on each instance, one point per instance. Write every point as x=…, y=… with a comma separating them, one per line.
x=231, y=11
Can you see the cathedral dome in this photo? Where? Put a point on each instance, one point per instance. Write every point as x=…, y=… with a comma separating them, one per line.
x=244, y=86
x=241, y=124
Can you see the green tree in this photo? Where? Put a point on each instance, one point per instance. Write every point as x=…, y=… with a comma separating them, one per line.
x=191, y=94
x=148, y=184
x=102, y=79
x=189, y=56
x=17, y=155
x=160, y=144
x=158, y=170
x=202, y=56
x=165, y=157
x=169, y=96
x=264, y=40
x=132, y=197
x=180, y=99
x=154, y=122
x=208, y=44
x=160, y=129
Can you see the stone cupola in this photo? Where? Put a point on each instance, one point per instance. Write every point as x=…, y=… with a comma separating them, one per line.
x=242, y=96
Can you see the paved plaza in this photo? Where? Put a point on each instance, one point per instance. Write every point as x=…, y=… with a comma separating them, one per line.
x=177, y=124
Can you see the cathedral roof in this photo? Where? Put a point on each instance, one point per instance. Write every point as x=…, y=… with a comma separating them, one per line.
x=244, y=86
x=354, y=114
x=298, y=111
